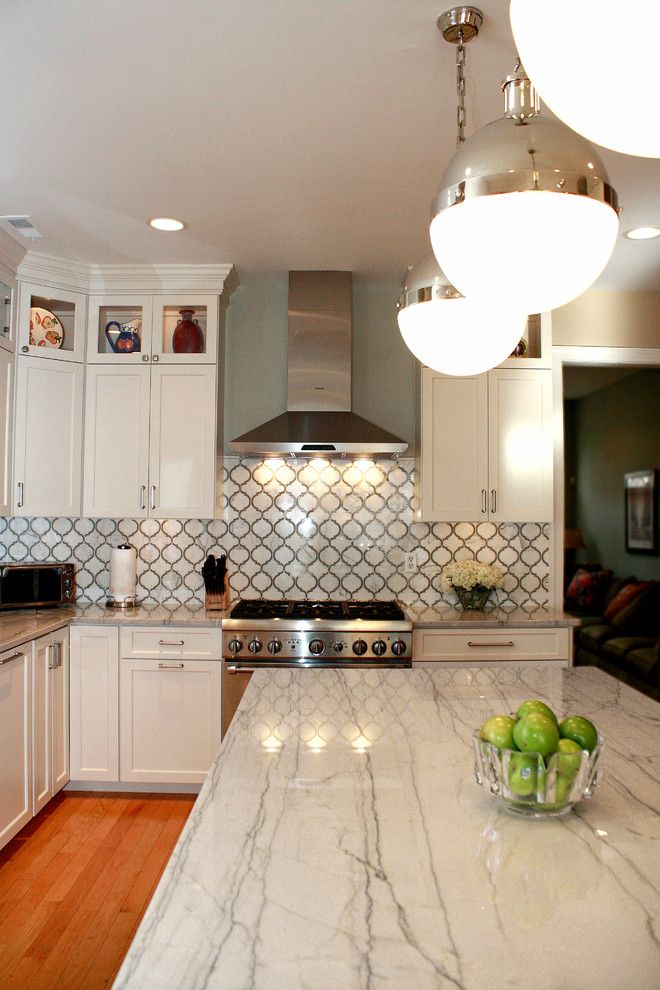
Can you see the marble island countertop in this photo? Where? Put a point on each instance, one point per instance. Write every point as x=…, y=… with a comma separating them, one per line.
x=340, y=841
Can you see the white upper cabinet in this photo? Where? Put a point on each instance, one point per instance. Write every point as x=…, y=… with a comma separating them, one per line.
x=179, y=328
x=8, y=307
x=150, y=442
x=7, y=368
x=116, y=441
x=486, y=447
x=183, y=442
x=51, y=322
x=48, y=438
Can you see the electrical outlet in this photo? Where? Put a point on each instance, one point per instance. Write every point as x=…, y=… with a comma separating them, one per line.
x=410, y=562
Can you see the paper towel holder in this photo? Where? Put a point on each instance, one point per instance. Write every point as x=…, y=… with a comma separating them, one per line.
x=126, y=601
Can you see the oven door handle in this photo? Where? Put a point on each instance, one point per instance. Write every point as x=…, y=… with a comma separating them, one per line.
x=233, y=669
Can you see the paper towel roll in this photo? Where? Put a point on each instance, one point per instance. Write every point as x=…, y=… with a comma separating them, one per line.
x=123, y=572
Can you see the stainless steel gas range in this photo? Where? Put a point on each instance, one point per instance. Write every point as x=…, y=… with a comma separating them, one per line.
x=263, y=633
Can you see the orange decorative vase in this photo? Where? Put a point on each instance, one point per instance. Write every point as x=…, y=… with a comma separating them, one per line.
x=188, y=338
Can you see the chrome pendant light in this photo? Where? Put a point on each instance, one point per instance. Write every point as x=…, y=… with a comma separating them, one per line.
x=443, y=329
x=525, y=207
x=448, y=332
x=609, y=92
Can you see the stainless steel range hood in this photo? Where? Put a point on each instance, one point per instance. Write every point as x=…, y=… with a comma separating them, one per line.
x=319, y=421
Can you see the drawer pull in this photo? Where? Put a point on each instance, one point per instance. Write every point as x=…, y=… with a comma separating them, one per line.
x=508, y=642
x=14, y=656
x=170, y=666
x=171, y=642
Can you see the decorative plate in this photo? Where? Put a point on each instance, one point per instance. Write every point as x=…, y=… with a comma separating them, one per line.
x=45, y=328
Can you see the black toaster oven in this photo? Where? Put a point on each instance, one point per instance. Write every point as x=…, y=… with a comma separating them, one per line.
x=36, y=585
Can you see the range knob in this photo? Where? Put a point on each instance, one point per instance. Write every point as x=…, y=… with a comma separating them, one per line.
x=338, y=647
x=398, y=647
x=379, y=647
x=235, y=645
x=316, y=647
x=359, y=647
x=255, y=646
x=274, y=646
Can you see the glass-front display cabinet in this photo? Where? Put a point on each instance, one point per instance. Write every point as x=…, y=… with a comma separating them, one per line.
x=7, y=315
x=51, y=322
x=180, y=328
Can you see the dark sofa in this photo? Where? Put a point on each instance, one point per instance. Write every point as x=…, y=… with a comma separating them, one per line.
x=626, y=645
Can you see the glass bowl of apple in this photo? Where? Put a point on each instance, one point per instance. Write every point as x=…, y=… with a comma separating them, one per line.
x=537, y=765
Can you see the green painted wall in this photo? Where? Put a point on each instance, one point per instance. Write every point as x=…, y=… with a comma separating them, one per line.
x=255, y=370
x=616, y=430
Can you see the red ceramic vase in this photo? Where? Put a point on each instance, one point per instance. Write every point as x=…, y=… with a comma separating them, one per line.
x=187, y=337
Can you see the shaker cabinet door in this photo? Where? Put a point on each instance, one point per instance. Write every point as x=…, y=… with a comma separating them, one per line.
x=116, y=441
x=94, y=715
x=48, y=437
x=520, y=441
x=16, y=749
x=454, y=448
x=183, y=442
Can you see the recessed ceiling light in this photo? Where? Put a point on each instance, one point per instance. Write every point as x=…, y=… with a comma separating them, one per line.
x=643, y=233
x=166, y=223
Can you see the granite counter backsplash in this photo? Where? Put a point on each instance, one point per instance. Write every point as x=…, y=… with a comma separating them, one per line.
x=297, y=529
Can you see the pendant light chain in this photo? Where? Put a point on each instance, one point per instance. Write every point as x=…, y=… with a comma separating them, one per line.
x=460, y=90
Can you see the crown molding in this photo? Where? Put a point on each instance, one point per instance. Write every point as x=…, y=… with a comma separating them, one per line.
x=83, y=277
x=58, y=272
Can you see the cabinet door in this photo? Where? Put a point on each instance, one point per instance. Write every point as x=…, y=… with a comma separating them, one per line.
x=454, y=448
x=520, y=445
x=58, y=699
x=6, y=423
x=133, y=313
x=116, y=442
x=41, y=717
x=167, y=310
x=48, y=437
x=183, y=442
x=70, y=311
x=170, y=719
x=16, y=748
x=94, y=716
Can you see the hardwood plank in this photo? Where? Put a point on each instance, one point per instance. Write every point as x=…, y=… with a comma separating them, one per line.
x=74, y=886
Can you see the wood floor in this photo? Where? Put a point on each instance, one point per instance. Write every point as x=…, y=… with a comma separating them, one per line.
x=75, y=882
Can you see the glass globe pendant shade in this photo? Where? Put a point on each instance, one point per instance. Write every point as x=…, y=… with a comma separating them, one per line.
x=449, y=333
x=524, y=211
x=609, y=90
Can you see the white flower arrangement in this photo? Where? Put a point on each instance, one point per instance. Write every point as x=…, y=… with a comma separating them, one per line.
x=469, y=574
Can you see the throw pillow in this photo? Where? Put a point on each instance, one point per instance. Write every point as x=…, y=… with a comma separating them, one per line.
x=623, y=598
x=587, y=589
x=616, y=587
x=642, y=616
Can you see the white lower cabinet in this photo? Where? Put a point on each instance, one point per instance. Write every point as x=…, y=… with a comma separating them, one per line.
x=477, y=646
x=50, y=717
x=16, y=748
x=95, y=703
x=169, y=719
x=142, y=710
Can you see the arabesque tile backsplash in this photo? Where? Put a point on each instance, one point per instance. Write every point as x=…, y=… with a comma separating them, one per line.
x=297, y=529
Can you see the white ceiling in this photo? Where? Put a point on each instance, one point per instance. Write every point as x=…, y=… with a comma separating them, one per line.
x=289, y=134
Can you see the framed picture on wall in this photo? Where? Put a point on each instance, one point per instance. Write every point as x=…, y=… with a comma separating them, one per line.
x=641, y=511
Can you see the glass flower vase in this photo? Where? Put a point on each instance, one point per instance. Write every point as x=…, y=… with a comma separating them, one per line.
x=473, y=599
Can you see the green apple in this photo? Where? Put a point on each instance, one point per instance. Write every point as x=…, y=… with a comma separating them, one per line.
x=569, y=757
x=528, y=707
x=580, y=730
x=562, y=790
x=522, y=774
x=498, y=730
x=536, y=733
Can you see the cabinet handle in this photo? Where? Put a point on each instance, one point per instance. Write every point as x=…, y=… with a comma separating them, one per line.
x=25, y=348
x=143, y=495
x=170, y=666
x=240, y=670
x=508, y=642
x=55, y=650
x=19, y=500
x=152, y=503
x=484, y=500
x=155, y=359
x=14, y=656
x=145, y=357
x=493, y=500
x=171, y=642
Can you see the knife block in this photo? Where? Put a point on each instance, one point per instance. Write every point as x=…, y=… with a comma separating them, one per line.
x=220, y=601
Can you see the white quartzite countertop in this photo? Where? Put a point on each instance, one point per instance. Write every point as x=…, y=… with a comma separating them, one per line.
x=446, y=617
x=340, y=841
